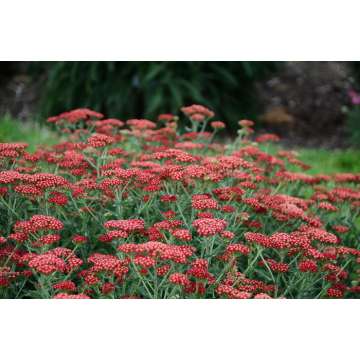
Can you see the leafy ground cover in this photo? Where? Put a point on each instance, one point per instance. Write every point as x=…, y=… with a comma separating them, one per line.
x=140, y=209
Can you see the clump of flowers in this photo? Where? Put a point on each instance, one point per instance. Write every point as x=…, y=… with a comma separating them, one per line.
x=141, y=209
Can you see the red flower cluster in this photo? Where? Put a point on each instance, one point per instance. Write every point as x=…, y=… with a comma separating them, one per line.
x=39, y=222
x=12, y=150
x=125, y=225
x=275, y=266
x=202, y=202
x=197, y=112
x=57, y=260
x=141, y=124
x=308, y=266
x=71, y=296
x=232, y=293
x=182, y=234
x=176, y=253
x=209, y=227
x=100, y=140
x=217, y=125
x=75, y=116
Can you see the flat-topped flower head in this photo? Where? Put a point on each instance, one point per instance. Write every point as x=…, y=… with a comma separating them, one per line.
x=100, y=140
x=126, y=225
x=75, y=116
x=209, y=227
x=141, y=124
x=197, y=112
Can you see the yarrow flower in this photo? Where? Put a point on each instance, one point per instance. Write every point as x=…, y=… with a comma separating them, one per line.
x=39, y=222
x=102, y=263
x=308, y=266
x=167, y=117
x=197, y=112
x=12, y=150
x=232, y=293
x=47, y=263
x=125, y=225
x=262, y=296
x=79, y=239
x=61, y=260
x=108, y=288
x=66, y=285
x=238, y=248
x=100, y=140
x=202, y=202
x=179, y=279
x=275, y=266
x=199, y=269
x=227, y=234
x=58, y=198
x=246, y=123
x=75, y=116
x=341, y=228
x=319, y=234
x=181, y=234
x=176, y=253
x=168, y=198
x=276, y=241
x=71, y=296
x=141, y=124
x=335, y=293
x=217, y=125
x=209, y=227
x=327, y=206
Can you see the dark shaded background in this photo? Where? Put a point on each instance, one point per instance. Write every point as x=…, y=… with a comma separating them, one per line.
x=305, y=102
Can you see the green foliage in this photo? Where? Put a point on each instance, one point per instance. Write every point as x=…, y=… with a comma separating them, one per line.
x=324, y=161
x=134, y=89
x=331, y=161
x=30, y=132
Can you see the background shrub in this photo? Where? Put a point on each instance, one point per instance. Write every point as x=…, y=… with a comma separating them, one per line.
x=134, y=89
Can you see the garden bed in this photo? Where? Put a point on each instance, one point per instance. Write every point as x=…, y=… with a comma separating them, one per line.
x=138, y=209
